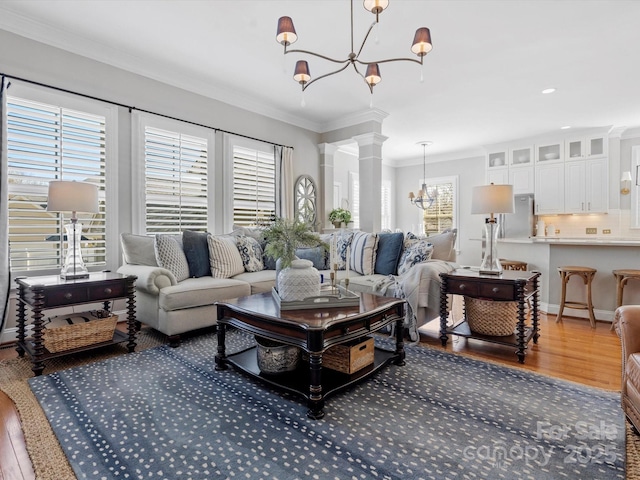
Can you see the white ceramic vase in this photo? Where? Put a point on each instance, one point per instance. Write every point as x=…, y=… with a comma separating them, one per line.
x=298, y=281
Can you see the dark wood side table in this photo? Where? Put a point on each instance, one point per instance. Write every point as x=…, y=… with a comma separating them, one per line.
x=509, y=286
x=42, y=293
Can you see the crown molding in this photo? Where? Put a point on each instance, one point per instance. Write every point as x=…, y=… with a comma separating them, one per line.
x=356, y=118
x=631, y=132
x=478, y=152
x=100, y=52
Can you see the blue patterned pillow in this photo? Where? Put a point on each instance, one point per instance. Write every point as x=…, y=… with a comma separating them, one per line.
x=251, y=253
x=342, y=243
x=419, y=251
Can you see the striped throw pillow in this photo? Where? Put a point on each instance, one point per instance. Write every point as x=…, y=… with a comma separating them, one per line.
x=224, y=256
x=363, y=252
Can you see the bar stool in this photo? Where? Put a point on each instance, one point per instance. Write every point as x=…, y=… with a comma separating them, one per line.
x=587, y=274
x=622, y=277
x=513, y=265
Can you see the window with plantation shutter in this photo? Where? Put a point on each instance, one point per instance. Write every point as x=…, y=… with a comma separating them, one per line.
x=254, y=185
x=48, y=142
x=354, y=198
x=385, y=214
x=176, y=181
x=441, y=215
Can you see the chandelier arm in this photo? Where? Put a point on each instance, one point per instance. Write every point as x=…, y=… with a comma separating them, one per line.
x=304, y=87
x=365, y=37
x=419, y=62
x=318, y=55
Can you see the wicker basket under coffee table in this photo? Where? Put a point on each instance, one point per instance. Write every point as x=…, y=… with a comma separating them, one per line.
x=492, y=302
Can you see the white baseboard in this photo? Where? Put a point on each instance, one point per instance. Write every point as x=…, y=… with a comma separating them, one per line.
x=603, y=315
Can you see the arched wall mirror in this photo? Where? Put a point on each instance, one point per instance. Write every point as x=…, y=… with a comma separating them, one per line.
x=305, y=195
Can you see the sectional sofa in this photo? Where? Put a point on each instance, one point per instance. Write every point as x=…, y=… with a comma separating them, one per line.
x=179, y=278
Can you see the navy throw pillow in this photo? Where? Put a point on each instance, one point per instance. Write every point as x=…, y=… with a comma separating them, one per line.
x=196, y=249
x=388, y=253
x=318, y=255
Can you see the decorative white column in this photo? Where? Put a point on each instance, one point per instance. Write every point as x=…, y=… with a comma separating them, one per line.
x=370, y=172
x=325, y=202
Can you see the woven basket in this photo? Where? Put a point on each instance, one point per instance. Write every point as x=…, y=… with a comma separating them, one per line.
x=490, y=317
x=66, y=332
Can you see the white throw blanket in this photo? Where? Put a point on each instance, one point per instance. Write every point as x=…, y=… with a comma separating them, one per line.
x=420, y=286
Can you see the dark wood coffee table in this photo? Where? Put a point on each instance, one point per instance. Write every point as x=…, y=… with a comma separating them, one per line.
x=314, y=331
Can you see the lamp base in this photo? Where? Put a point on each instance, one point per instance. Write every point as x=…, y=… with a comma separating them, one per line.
x=74, y=266
x=490, y=262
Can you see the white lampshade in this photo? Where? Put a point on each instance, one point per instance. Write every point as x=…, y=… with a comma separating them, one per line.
x=67, y=196
x=626, y=177
x=492, y=199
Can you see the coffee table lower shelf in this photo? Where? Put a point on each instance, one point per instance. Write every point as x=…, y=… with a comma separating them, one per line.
x=297, y=381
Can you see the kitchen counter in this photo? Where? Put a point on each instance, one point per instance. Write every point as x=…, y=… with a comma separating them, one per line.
x=599, y=241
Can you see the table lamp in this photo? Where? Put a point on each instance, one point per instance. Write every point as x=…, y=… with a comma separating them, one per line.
x=73, y=197
x=492, y=199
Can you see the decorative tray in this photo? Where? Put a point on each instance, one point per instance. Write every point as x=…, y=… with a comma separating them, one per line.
x=328, y=298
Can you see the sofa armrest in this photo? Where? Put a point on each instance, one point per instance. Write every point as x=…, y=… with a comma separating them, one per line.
x=150, y=279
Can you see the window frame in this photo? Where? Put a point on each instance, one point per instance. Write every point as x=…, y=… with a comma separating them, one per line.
x=69, y=101
x=454, y=180
x=231, y=141
x=140, y=121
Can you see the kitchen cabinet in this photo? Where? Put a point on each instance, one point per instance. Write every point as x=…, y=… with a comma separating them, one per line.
x=497, y=158
x=548, y=152
x=498, y=176
x=521, y=156
x=549, y=188
x=522, y=179
x=585, y=189
x=579, y=148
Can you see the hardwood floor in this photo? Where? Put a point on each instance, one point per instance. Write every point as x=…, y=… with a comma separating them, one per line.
x=570, y=350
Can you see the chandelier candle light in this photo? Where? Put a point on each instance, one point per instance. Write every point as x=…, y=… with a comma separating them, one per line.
x=492, y=199
x=286, y=35
x=73, y=197
x=424, y=200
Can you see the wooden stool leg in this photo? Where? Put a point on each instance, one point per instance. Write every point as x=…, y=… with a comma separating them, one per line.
x=563, y=279
x=619, y=288
x=592, y=317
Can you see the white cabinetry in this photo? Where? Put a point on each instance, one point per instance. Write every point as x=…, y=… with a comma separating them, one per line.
x=549, y=188
x=522, y=179
x=521, y=156
x=498, y=176
x=586, y=147
x=585, y=186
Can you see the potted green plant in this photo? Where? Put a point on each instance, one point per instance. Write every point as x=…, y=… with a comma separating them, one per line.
x=338, y=216
x=283, y=236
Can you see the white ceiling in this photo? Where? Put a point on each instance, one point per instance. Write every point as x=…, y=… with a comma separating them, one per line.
x=482, y=81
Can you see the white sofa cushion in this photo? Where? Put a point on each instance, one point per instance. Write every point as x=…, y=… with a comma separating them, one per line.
x=196, y=292
x=260, y=282
x=224, y=256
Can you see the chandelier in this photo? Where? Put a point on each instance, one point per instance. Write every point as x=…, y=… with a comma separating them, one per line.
x=424, y=200
x=287, y=35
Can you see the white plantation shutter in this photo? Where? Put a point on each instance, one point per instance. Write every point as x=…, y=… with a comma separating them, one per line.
x=354, y=198
x=385, y=214
x=176, y=179
x=442, y=213
x=48, y=142
x=254, y=186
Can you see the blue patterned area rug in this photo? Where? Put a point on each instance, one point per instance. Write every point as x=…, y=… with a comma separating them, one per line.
x=166, y=413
